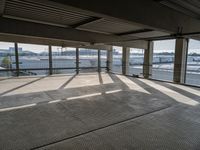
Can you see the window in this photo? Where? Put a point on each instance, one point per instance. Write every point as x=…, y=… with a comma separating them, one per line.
x=136, y=59
x=88, y=59
x=193, y=63
x=63, y=60
x=117, y=59
x=33, y=59
x=163, y=60
x=7, y=59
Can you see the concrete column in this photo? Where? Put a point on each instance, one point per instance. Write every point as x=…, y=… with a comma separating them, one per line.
x=125, y=60
x=148, y=60
x=50, y=61
x=180, y=60
x=17, y=59
x=99, y=60
x=77, y=60
x=109, y=59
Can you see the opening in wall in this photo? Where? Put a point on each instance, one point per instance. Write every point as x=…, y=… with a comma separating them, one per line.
x=117, y=60
x=63, y=60
x=88, y=59
x=193, y=63
x=33, y=59
x=7, y=59
x=136, y=60
x=163, y=60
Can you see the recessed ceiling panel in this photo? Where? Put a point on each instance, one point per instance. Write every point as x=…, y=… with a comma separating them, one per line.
x=110, y=26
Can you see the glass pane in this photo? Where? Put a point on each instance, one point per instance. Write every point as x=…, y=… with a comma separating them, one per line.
x=193, y=63
x=7, y=59
x=63, y=58
x=117, y=59
x=103, y=55
x=33, y=58
x=88, y=60
x=136, y=59
x=163, y=60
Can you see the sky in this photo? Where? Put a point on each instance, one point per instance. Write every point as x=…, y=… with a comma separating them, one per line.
x=169, y=46
x=159, y=46
x=166, y=45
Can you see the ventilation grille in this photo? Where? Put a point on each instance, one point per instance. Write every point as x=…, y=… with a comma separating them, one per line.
x=40, y=12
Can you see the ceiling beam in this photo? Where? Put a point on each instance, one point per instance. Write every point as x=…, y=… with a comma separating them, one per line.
x=17, y=27
x=141, y=44
x=41, y=41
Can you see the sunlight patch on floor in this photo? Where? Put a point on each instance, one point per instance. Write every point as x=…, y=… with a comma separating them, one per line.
x=7, y=85
x=186, y=88
x=132, y=85
x=84, y=80
x=45, y=84
x=106, y=78
x=173, y=94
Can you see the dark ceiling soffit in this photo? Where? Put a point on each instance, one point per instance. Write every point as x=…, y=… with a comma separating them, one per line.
x=135, y=32
x=87, y=21
x=176, y=6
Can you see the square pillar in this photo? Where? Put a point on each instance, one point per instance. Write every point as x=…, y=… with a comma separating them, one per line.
x=148, y=61
x=180, y=60
x=125, y=60
x=109, y=59
x=50, y=61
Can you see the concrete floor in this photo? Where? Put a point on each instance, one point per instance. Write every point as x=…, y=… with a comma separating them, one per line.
x=97, y=111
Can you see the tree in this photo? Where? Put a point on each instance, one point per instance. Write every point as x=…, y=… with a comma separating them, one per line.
x=6, y=63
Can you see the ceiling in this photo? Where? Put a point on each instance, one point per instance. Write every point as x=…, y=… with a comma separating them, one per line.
x=60, y=15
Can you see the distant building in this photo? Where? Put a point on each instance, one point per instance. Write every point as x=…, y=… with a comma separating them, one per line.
x=10, y=51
